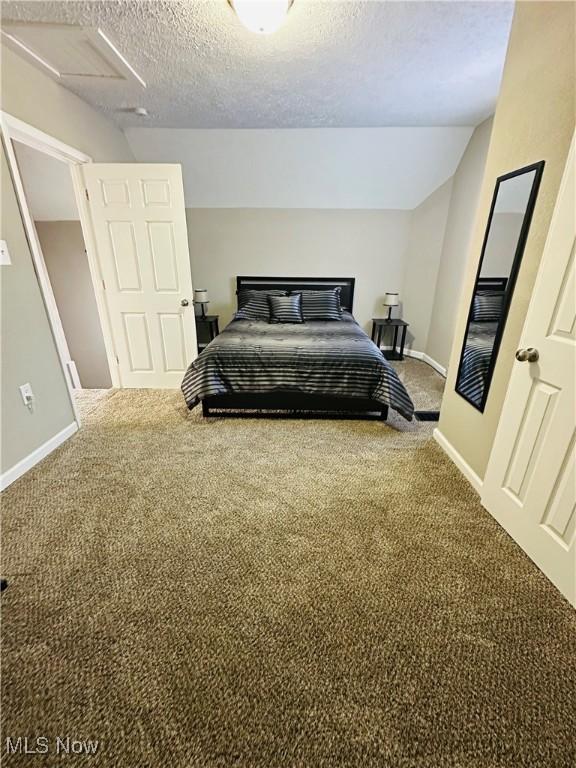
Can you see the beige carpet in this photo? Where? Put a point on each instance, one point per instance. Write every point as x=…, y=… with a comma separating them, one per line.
x=88, y=400
x=425, y=385
x=253, y=593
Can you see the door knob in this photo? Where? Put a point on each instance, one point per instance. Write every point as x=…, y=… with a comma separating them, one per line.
x=531, y=355
x=184, y=302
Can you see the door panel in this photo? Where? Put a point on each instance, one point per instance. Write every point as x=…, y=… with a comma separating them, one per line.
x=172, y=340
x=115, y=192
x=560, y=514
x=563, y=324
x=531, y=437
x=163, y=252
x=139, y=225
x=156, y=192
x=530, y=483
x=124, y=254
x=137, y=341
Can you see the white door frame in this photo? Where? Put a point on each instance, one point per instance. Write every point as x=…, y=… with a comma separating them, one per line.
x=14, y=129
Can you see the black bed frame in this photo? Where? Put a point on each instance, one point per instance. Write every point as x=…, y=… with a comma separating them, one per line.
x=294, y=404
x=491, y=284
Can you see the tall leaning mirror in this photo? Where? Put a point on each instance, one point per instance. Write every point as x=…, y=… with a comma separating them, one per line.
x=504, y=240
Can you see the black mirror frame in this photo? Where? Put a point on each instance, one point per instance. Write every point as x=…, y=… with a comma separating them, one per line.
x=539, y=168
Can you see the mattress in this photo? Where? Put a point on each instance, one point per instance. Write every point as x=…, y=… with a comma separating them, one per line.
x=318, y=357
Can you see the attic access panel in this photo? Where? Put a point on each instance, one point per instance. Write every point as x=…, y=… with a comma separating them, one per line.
x=70, y=52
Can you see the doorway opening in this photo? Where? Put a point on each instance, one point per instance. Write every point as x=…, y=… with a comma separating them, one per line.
x=47, y=180
x=54, y=212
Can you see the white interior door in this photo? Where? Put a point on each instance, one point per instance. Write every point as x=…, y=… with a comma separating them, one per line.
x=139, y=230
x=530, y=483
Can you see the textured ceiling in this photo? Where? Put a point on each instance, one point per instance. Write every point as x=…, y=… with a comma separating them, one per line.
x=333, y=63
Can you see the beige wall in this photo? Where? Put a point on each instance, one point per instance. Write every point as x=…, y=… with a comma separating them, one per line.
x=534, y=120
x=461, y=215
x=28, y=349
x=427, y=228
x=65, y=256
x=400, y=251
x=370, y=245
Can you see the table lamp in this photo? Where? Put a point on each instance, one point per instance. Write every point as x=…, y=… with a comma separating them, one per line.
x=201, y=297
x=390, y=300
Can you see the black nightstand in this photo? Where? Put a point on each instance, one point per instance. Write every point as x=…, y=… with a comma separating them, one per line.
x=206, y=330
x=378, y=323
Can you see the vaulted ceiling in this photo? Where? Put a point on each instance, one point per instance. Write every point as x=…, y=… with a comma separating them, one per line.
x=345, y=64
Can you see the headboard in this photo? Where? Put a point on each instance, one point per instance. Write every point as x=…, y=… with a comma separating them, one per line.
x=493, y=284
x=295, y=284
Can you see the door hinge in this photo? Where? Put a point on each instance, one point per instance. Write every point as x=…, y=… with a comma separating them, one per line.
x=103, y=285
x=87, y=195
x=117, y=359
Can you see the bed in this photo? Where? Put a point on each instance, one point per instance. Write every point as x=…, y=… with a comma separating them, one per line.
x=317, y=368
x=476, y=359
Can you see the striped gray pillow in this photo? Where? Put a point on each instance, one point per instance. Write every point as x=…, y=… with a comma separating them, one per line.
x=286, y=309
x=487, y=307
x=253, y=305
x=321, y=305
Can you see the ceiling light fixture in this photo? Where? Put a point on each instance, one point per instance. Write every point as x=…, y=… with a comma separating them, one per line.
x=261, y=16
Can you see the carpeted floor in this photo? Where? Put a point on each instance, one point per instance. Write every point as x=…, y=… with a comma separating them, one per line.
x=425, y=385
x=88, y=400
x=255, y=593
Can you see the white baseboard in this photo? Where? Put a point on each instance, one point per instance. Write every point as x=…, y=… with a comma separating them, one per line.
x=33, y=458
x=437, y=367
x=462, y=465
x=424, y=357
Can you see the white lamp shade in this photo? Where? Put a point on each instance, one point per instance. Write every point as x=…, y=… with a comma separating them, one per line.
x=201, y=296
x=390, y=299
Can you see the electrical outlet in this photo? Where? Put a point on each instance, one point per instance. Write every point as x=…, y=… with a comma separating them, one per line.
x=27, y=395
x=4, y=253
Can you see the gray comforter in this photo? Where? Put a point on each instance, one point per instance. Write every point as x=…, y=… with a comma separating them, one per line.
x=476, y=360
x=332, y=358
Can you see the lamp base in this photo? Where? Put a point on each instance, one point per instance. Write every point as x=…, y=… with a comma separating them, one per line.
x=203, y=305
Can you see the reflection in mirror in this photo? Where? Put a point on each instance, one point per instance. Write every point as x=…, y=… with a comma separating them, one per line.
x=504, y=241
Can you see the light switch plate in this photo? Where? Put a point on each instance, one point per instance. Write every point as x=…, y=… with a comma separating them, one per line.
x=27, y=394
x=4, y=254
